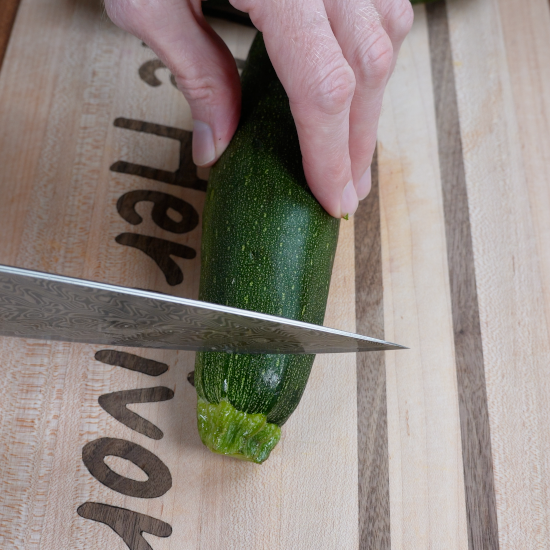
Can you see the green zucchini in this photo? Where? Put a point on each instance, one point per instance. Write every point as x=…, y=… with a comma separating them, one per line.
x=267, y=246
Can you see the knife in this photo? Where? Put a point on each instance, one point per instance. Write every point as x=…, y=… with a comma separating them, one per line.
x=53, y=307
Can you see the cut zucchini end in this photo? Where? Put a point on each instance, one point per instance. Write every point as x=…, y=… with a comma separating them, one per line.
x=228, y=431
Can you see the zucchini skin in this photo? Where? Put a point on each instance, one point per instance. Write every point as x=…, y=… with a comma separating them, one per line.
x=267, y=246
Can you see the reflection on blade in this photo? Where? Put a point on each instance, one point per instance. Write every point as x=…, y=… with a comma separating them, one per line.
x=52, y=307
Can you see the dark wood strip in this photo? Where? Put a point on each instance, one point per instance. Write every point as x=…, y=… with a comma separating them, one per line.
x=8, y=10
x=474, y=414
x=372, y=427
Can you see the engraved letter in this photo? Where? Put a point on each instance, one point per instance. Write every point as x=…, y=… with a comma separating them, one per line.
x=184, y=176
x=163, y=202
x=147, y=73
x=115, y=404
x=131, y=362
x=128, y=525
x=160, y=250
x=160, y=479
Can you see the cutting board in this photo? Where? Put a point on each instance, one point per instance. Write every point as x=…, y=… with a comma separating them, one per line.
x=444, y=446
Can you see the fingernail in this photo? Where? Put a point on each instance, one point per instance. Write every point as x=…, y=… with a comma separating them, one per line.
x=364, y=185
x=204, y=150
x=349, y=201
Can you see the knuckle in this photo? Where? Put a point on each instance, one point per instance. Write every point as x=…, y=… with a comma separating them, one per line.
x=400, y=19
x=375, y=56
x=131, y=15
x=333, y=91
x=197, y=88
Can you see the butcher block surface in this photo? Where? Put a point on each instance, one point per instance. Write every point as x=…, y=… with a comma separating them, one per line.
x=445, y=445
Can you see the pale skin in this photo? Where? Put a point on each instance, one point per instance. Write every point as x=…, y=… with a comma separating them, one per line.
x=333, y=57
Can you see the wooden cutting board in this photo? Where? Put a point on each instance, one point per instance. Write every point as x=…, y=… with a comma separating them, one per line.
x=444, y=446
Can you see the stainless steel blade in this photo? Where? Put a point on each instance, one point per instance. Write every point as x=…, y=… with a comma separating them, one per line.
x=53, y=307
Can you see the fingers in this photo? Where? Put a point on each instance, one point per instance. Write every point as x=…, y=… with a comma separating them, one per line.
x=202, y=65
x=370, y=35
x=334, y=58
x=369, y=51
x=320, y=85
x=397, y=17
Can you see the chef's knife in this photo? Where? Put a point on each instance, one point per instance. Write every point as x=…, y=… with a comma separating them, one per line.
x=52, y=307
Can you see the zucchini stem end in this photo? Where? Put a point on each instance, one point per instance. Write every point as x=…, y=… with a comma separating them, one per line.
x=228, y=431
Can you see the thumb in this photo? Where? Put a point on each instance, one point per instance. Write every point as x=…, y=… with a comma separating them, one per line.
x=203, y=67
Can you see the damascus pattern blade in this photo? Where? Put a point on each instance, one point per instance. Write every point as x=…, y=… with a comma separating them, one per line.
x=52, y=307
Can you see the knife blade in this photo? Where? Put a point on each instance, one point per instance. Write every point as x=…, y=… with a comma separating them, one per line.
x=44, y=306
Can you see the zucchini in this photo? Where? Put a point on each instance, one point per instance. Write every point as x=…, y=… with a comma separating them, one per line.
x=267, y=246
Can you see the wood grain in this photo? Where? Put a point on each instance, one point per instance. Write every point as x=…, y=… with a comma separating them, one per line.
x=474, y=416
x=427, y=501
x=87, y=148
x=507, y=245
x=372, y=426
x=7, y=18
x=449, y=255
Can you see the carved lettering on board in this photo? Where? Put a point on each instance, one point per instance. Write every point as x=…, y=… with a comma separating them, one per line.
x=184, y=176
x=160, y=251
x=95, y=452
x=115, y=404
x=162, y=204
x=128, y=525
x=175, y=215
x=147, y=73
x=131, y=362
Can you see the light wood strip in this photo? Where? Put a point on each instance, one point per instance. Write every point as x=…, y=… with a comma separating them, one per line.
x=427, y=502
x=85, y=110
x=526, y=33
x=474, y=416
x=509, y=267
x=372, y=423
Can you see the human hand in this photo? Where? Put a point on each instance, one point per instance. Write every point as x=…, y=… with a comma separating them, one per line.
x=333, y=57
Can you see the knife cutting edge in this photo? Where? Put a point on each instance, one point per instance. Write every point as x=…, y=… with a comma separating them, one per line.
x=44, y=306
